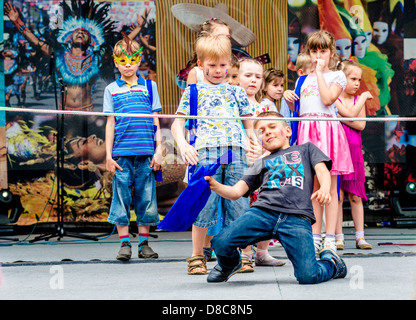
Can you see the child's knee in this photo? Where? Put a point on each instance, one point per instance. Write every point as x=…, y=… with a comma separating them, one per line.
x=306, y=278
x=354, y=199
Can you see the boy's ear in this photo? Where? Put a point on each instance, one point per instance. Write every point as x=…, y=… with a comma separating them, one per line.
x=288, y=131
x=200, y=64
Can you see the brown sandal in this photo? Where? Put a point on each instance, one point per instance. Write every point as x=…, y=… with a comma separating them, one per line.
x=247, y=265
x=196, y=262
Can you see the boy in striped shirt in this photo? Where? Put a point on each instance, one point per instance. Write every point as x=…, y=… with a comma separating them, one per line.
x=133, y=157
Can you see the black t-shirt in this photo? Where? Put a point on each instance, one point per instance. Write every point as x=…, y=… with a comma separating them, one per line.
x=285, y=179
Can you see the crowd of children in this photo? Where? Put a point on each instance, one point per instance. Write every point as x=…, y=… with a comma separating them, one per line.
x=270, y=189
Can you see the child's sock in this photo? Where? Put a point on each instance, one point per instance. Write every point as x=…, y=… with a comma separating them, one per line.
x=125, y=241
x=339, y=237
x=330, y=241
x=143, y=239
x=260, y=253
x=359, y=236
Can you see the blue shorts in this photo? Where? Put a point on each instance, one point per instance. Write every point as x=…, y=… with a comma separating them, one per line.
x=136, y=173
x=228, y=174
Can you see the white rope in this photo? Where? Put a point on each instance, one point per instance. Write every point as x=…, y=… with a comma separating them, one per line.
x=174, y=116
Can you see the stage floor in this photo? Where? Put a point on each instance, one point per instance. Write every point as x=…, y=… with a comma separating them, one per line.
x=82, y=269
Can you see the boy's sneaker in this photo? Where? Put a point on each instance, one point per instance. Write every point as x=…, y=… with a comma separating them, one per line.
x=341, y=267
x=124, y=254
x=147, y=253
x=330, y=244
x=222, y=275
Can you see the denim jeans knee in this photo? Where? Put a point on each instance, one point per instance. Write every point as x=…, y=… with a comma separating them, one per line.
x=227, y=173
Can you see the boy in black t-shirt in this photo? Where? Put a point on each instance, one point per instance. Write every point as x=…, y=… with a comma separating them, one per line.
x=283, y=209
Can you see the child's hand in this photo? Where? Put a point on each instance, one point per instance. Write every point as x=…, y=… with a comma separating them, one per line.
x=212, y=182
x=367, y=95
x=189, y=155
x=112, y=165
x=290, y=96
x=156, y=162
x=320, y=65
x=322, y=196
x=254, y=152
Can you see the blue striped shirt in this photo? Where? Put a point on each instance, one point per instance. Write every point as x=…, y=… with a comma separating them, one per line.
x=132, y=136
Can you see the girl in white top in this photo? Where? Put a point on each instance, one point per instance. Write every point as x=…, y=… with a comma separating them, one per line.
x=273, y=88
x=251, y=79
x=317, y=99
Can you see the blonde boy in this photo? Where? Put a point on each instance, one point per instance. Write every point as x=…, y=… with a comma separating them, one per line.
x=216, y=98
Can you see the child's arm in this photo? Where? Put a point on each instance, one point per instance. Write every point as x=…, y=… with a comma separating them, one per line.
x=156, y=162
x=111, y=165
x=357, y=125
x=356, y=109
x=188, y=153
x=328, y=95
x=234, y=192
x=192, y=77
x=322, y=195
x=290, y=97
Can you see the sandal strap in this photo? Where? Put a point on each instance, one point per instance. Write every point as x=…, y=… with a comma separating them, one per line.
x=196, y=262
x=246, y=260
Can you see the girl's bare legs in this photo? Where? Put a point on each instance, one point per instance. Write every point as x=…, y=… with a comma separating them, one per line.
x=331, y=215
x=318, y=211
x=357, y=212
x=339, y=235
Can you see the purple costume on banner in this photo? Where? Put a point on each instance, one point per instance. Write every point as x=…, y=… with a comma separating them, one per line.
x=354, y=182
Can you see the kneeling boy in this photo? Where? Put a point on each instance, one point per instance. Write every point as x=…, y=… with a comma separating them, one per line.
x=283, y=209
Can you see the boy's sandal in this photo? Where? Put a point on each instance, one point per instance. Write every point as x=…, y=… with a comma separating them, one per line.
x=247, y=265
x=364, y=244
x=197, y=262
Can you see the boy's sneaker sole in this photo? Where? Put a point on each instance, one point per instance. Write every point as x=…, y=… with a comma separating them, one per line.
x=341, y=267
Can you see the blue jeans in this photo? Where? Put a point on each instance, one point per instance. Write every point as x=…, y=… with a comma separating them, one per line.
x=294, y=233
x=136, y=173
x=228, y=174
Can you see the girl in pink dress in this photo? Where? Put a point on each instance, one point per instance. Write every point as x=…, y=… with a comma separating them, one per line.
x=317, y=99
x=349, y=104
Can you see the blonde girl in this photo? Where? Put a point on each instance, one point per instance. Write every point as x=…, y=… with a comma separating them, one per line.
x=251, y=79
x=349, y=104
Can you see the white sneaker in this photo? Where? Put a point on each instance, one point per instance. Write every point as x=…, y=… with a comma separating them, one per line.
x=330, y=244
x=317, y=243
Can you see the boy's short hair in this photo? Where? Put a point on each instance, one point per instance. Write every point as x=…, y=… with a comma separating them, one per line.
x=213, y=47
x=134, y=47
x=303, y=61
x=271, y=114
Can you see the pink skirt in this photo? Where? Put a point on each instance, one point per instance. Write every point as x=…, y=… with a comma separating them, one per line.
x=330, y=138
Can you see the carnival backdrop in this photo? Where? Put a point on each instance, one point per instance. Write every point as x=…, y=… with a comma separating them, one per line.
x=57, y=54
